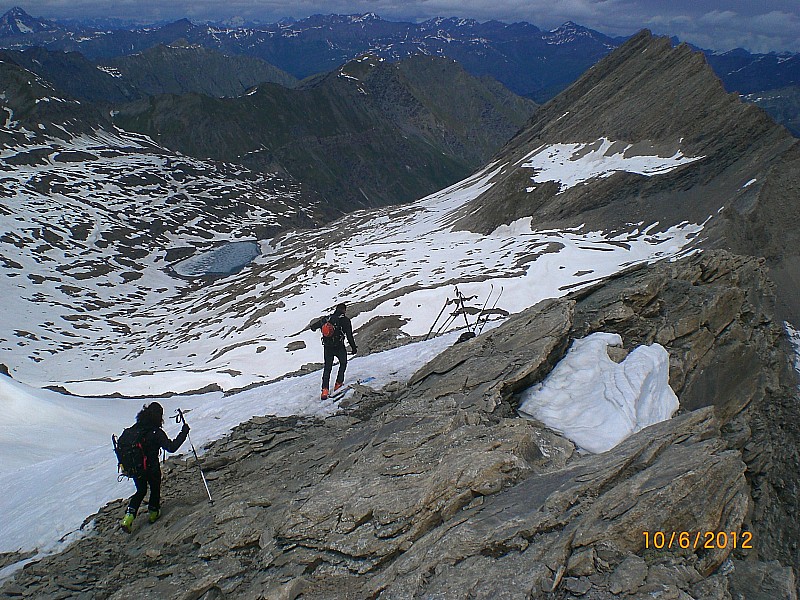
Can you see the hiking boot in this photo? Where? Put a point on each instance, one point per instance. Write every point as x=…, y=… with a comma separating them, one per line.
x=127, y=522
x=325, y=394
x=154, y=514
x=337, y=385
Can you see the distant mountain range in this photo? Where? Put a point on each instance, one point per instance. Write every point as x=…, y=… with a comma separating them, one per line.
x=369, y=134
x=528, y=61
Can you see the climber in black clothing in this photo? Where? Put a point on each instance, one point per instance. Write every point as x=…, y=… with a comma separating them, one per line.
x=152, y=437
x=335, y=329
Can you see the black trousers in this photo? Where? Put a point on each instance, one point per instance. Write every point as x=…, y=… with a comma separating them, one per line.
x=152, y=478
x=332, y=351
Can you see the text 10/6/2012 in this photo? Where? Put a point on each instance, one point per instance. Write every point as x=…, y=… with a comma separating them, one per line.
x=706, y=540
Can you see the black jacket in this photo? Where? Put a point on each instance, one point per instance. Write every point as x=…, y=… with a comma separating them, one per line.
x=344, y=323
x=154, y=439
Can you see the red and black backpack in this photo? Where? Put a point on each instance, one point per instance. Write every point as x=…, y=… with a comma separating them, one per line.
x=131, y=458
x=331, y=329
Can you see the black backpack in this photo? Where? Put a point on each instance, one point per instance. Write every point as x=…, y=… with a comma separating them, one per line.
x=131, y=459
x=332, y=331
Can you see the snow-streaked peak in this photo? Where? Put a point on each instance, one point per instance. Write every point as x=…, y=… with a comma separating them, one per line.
x=567, y=33
x=18, y=22
x=366, y=17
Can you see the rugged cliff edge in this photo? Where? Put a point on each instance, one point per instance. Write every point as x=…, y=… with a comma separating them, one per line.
x=435, y=488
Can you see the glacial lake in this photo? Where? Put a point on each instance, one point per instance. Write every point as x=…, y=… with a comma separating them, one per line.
x=223, y=260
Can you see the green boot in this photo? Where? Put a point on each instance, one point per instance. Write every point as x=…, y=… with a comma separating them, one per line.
x=154, y=514
x=127, y=522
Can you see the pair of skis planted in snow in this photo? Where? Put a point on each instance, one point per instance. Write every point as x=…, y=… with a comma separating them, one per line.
x=470, y=331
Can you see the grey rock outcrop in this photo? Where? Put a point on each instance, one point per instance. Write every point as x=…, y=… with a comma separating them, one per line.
x=435, y=488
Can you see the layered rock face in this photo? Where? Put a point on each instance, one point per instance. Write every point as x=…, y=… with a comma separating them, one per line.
x=434, y=487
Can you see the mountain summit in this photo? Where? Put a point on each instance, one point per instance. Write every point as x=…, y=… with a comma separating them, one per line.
x=17, y=22
x=592, y=153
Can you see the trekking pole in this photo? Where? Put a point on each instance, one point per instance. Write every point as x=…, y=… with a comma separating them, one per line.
x=446, y=302
x=179, y=418
x=486, y=316
x=447, y=322
x=463, y=308
x=483, y=308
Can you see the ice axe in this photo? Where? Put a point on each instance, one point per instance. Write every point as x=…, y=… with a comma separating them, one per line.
x=179, y=418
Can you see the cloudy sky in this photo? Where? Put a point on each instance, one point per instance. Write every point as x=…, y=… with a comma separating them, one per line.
x=757, y=25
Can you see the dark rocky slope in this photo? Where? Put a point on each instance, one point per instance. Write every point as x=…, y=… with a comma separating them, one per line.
x=782, y=104
x=174, y=69
x=32, y=107
x=369, y=134
x=434, y=488
x=179, y=68
x=74, y=74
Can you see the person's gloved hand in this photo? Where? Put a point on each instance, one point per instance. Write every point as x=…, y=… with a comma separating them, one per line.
x=185, y=427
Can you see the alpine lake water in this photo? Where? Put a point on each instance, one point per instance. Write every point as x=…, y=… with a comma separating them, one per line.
x=223, y=260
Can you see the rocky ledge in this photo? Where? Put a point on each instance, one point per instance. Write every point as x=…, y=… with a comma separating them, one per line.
x=435, y=488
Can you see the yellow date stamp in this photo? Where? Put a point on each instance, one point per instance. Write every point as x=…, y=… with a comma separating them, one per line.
x=698, y=540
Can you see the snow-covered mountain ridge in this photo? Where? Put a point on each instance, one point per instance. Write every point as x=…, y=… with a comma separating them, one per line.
x=100, y=313
x=88, y=227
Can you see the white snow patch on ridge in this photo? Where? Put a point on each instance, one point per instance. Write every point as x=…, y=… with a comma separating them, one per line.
x=596, y=402
x=113, y=71
x=571, y=164
x=794, y=338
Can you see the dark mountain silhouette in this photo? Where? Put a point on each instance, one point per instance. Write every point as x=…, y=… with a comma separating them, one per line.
x=74, y=74
x=173, y=69
x=369, y=134
x=179, y=68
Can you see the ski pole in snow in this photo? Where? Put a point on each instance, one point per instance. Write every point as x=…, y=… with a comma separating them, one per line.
x=179, y=418
x=446, y=302
x=483, y=308
x=447, y=322
x=463, y=308
x=486, y=316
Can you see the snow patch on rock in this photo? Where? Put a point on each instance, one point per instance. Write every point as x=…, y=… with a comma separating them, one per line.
x=596, y=402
